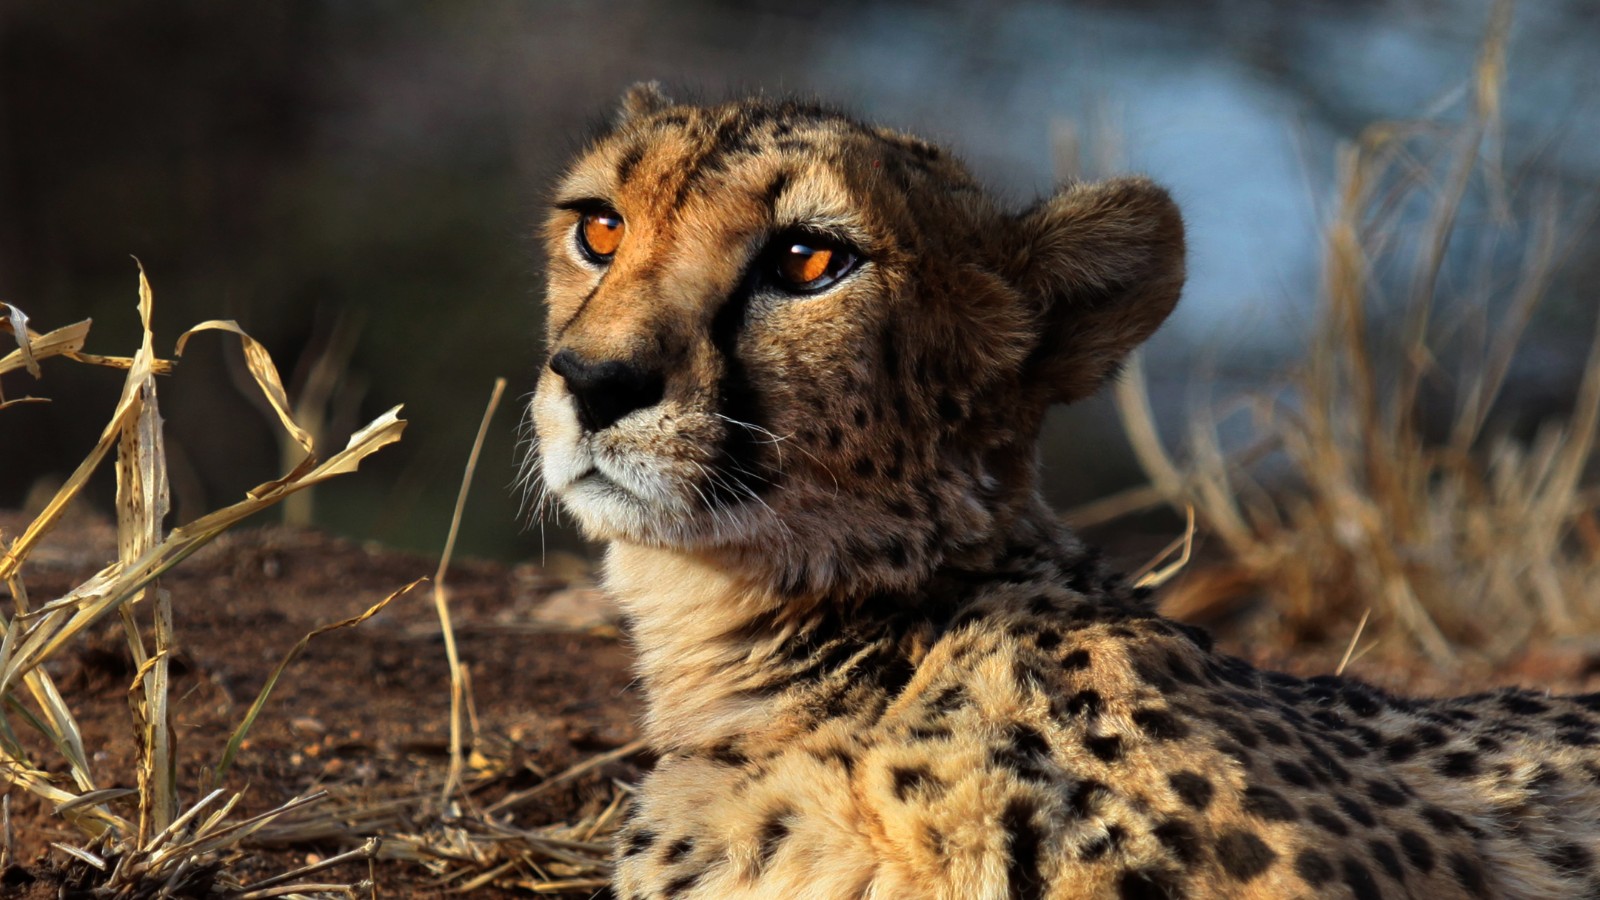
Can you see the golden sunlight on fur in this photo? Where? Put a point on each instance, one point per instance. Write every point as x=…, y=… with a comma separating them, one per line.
x=798, y=369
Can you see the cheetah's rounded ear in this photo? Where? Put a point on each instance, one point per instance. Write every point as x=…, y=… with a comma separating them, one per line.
x=1105, y=263
x=643, y=99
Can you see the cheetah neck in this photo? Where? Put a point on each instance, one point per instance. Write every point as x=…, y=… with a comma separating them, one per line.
x=722, y=656
x=689, y=617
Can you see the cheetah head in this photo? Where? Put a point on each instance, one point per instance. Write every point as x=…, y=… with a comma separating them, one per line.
x=816, y=348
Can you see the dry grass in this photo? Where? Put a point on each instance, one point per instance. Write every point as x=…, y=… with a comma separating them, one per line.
x=169, y=850
x=467, y=842
x=441, y=823
x=1341, y=502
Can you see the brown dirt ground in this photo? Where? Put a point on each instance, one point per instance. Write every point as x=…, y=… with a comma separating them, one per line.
x=368, y=708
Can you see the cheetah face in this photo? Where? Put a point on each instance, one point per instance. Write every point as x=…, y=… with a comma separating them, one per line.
x=780, y=334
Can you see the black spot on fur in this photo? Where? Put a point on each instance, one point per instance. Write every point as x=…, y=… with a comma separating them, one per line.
x=1105, y=749
x=915, y=780
x=1085, y=796
x=630, y=159
x=1181, y=670
x=1574, y=738
x=1103, y=844
x=1400, y=750
x=1487, y=743
x=677, y=850
x=1076, y=660
x=1418, y=851
x=1345, y=747
x=1026, y=753
x=1442, y=820
x=1244, y=855
x=1429, y=736
x=1469, y=874
x=1180, y=838
x=1273, y=732
x=638, y=842
x=1570, y=858
x=1239, y=754
x=1574, y=720
x=1160, y=724
x=1023, y=845
x=1313, y=868
x=1238, y=729
x=1292, y=772
x=1385, y=857
x=1192, y=788
x=1327, y=820
x=1367, y=736
x=1356, y=810
x=775, y=188
x=1322, y=762
x=1362, y=885
x=950, y=699
x=773, y=832
x=839, y=755
x=1148, y=885
x=1360, y=701
x=1265, y=803
x=1522, y=704
x=1083, y=702
x=1385, y=794
x=1459, y=764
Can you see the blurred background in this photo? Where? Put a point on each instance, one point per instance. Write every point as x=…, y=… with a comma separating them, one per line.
x=358, y=184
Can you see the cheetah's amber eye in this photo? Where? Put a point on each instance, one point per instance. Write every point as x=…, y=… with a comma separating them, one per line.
x=600, y=234
x=806, y=263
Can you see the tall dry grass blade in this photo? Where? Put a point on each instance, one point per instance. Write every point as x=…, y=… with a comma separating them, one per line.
x=143, y=501
x=236, y=740
x=1150, y=576
x=265, y=373
x=441, y=603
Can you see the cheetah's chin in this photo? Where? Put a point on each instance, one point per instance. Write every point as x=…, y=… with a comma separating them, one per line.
x=615, y=498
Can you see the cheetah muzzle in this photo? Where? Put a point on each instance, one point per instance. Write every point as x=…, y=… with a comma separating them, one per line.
x=798, y=369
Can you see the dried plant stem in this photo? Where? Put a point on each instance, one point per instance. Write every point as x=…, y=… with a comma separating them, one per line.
x=459, y=701
x=166, y=852
x=1463, y=540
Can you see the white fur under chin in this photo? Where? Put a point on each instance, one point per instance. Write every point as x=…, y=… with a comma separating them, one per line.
x=628, y=495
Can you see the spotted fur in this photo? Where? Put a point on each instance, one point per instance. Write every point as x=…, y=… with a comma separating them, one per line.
x=875, y=665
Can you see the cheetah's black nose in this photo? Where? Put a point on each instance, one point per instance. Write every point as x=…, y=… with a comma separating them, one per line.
x=606, y=391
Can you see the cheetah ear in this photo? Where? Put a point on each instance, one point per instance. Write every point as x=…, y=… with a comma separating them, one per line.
x=643, y=99
x=1104, y=262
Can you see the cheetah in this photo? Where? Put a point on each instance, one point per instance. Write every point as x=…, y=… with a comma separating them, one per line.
x=798, y=366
